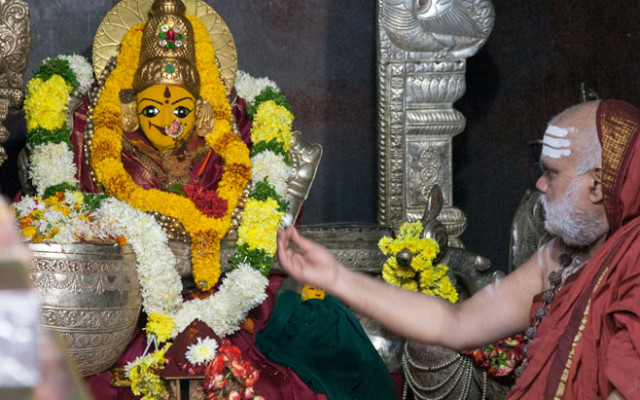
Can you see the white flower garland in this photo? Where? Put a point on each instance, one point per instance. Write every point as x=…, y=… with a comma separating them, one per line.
x=241, y=290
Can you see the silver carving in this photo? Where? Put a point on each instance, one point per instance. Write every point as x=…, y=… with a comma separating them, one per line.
x=451, y=29
x=354, y=245
x=15, y=41
x=90, y=296
x=433, y=372
x=305, y=157
x=422, y=50
x=527, y=230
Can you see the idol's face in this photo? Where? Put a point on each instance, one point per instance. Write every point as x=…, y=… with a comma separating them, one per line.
x=166, y=115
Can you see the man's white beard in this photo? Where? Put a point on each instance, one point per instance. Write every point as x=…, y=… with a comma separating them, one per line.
x=566, y=218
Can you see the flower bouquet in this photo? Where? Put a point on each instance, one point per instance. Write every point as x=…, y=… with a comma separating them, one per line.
x=227, y=376
x=500, y=359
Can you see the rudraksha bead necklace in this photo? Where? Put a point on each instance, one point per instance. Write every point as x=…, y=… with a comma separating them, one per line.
x=556, y=281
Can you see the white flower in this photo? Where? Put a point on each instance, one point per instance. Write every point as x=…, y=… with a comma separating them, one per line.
x=204, y=350
x=26, y=205
x=52, y=164
x=249, y=87
x=83, y=71
x=271, y=165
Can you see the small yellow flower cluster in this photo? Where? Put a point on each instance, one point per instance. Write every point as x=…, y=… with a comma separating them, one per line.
x=143, y=375
x=421, y=275
x=45, y=104
x=260, y=223
x=161, y=326
x=272, y=121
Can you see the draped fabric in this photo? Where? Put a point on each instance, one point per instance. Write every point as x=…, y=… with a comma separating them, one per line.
x=324, y=343
x=589, y=343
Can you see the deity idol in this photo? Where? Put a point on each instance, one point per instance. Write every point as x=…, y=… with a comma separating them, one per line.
x=164, y=137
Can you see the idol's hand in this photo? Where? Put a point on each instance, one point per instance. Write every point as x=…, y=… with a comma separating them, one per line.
x=309, y=262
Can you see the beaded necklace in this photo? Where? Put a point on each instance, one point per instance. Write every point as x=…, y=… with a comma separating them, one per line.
x=569, y=264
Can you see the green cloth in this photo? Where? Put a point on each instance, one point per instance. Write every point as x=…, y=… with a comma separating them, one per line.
x=323, y=342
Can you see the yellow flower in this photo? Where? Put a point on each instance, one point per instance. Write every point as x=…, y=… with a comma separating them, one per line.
x=29, y=231
x=144, y=379
x=161, y=326
x=260, y=223
x=421, y=275
x=45, y=103
x=272, y=121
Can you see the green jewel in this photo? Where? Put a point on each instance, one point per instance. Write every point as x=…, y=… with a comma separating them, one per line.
x=161, y=35
x=169, y=68
x=180, y=37
x=170, y=46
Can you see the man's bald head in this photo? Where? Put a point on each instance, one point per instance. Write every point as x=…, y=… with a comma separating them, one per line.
x=573, y=133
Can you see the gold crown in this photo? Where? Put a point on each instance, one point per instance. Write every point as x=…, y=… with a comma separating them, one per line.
x=167, y=54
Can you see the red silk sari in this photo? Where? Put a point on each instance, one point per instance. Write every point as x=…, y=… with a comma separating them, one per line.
x=589, y=344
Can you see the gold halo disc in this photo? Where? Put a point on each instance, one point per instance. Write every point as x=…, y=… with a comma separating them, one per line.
x=128, y=13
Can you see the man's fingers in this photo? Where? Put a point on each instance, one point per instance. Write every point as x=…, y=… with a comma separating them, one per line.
x=302, y=242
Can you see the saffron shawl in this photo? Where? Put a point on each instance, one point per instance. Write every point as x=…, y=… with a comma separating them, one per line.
x=589, y=343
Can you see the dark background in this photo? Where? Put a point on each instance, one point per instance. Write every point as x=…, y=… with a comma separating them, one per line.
x=322, y=53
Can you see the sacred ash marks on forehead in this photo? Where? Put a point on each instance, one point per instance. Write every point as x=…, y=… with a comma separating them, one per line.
x=556, y=143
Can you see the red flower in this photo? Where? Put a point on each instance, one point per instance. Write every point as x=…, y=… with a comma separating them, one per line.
x=228, y=376
x=229, y=350
x=215, y=367
x=240, y=369
x=252, y=378
x=248, y=393
x=207, y=201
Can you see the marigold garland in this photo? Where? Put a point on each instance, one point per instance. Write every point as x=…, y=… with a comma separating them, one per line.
x=206, y=232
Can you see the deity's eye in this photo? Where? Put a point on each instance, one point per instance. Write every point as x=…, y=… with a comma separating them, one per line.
x=150, y=111
x=181, y=112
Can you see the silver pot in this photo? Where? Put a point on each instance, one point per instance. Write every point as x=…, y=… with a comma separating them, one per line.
x=90, y=295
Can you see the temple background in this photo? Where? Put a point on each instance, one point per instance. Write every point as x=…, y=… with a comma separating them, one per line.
x=323, y=56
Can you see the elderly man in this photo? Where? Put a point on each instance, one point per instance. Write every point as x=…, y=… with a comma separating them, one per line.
x=583, y=288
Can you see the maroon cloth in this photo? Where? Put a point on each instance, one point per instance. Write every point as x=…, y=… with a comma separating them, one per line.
x=589, y=343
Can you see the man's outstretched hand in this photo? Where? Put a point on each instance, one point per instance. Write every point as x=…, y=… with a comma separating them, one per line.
x=307, y=262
